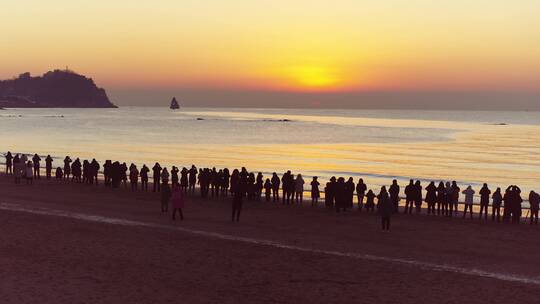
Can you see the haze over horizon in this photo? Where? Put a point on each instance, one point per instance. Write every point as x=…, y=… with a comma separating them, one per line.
x=391, y=54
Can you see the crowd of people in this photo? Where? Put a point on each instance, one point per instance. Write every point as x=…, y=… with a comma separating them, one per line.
x=442, y=199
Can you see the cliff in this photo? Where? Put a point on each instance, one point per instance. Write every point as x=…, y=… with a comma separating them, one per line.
x=55, y=89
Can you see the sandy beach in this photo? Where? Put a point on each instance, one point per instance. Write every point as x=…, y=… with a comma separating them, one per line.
x=73, y=243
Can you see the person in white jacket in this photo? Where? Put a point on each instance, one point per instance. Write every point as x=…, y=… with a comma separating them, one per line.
x=299, y=188
x=469, y=195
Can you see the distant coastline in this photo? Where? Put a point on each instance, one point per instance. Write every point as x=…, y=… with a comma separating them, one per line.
x=54, y=89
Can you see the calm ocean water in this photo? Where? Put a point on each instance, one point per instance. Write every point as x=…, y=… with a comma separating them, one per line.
x=470, y=147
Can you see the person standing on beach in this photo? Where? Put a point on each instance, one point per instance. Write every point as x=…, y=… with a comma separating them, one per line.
x=238, y=197
x=418, y=196
x=496, y=205
x=29, y=173
x=534, y=203
x=267, y=189
x=67, y=167
x=409, y=197
x=275, y=187
x=360, y=192
x=156, y=170
x=299, y=189
x=192, y=179
x=340, y=195
x=94, y=165
x=385, y=209
x=449, y=194
x=330, y=193
x=469, y=196
x=184, y=180
x=431, y=197
x=17, y=169
x=394, y=195
x=165, y=197
x=133, y=177
x=370, y=201
x=48, y=166
x=36, y=159
x=165, y=176
x=349, y=191
x=9, y=163
x=174, y=176
x=315, y=193
x=441, y=199
x=285, y=186
x=484, y=201
x=455, y=196
x=177, y=200
x=144, y=177
x=516, y=212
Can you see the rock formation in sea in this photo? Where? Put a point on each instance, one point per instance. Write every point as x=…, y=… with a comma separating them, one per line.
x=54, y=89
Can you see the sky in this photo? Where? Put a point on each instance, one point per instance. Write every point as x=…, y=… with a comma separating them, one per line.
x=349, y=53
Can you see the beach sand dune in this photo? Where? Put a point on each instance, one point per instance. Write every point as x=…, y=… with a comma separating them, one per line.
x=63, y=259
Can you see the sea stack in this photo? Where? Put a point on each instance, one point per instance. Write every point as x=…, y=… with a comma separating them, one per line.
x=174, y=104
x=54, y=89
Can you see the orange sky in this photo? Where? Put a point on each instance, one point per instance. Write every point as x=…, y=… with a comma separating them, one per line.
x=300, y=45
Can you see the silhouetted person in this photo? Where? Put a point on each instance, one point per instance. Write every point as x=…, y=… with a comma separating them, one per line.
x=315, y=193
x=144, y=177
x=225, y=182
x=184, y=180
x=349, y=192
x=484, y=201
x=330, y=193
x=67, y=167
x=124, y=174
x=409, y=197
x=237, y=201
x=275, y=187
x=166, y=194
x=385, y=209
x=286, y=181
x=177, y=200
x=517, y=200
x=394, y=195
x=133, y=177
x=48, y=166
x=116, y=174
x=267, y=189
x=156, y=170
x=9, y=163
x=360, y=192
x=299, y=188
x=29, y=173
x=418, y=196
x=449, y=194
x=18, y=167
x=455, y=197
x=442, y=206
x=370, y=201
x=259, y=186
x=341, y=195
x=496, y=205
x=431, y=197
x=59, y=174
x=175, y=179
x=192, y=179
x=534, y=203
x=469, y=196
x=107, y=170
x=94, y=165
x=37, y=165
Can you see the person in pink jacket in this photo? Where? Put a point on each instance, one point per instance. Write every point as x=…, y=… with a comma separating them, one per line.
x=177, y=200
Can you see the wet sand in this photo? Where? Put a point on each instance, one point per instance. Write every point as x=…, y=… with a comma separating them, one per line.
x=58, y=259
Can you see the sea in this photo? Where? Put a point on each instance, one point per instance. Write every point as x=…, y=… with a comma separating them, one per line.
x=470, y=147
